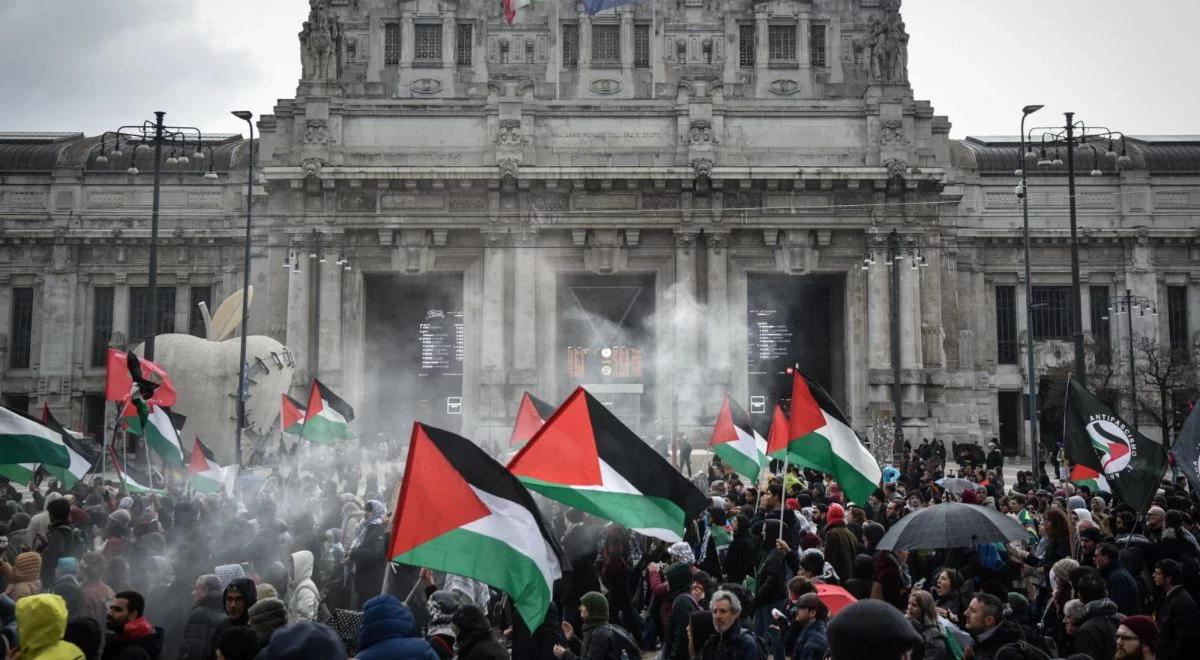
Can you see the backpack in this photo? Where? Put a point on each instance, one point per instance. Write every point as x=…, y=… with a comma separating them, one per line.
x=623, y=647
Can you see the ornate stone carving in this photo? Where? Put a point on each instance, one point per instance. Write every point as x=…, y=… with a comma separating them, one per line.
x=897, y=169
x=783, y=87
x=468, y=202
x=888, y=43
x=509, y=167
x=660, y=200
x=509, y=133
x=316, y=131
x=702, y=167
x=700, y=133
x=318, y=43
x=605, y=86
x=356, y=200
x=743, y=199
x=891, y=134
x=426, y=86
x=549, y=202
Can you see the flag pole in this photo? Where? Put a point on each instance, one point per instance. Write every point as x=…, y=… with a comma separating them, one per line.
x=783, y=495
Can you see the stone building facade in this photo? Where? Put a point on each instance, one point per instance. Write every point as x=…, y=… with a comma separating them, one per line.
x=664, y=202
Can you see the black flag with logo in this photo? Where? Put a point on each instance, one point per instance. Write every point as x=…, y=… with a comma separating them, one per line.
x=1096, y=438
x=1187, y=448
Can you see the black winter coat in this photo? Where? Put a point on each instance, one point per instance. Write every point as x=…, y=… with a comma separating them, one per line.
x=772, y=579
x=736, y=643
x=482, y=646
x=1006, y=633
x=198, y=633
x=370, y=561
x=1097, y=634
x=1178, y=625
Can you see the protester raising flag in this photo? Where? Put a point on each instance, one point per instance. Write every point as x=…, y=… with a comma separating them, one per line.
x=1098, y=440
x=1187, y=448
x=735, y=441
x=206, y=475
x=327, y=417
x=461, y=512
x=126, y=369
x=586, y=458
x=531, y=415
x=821, y=438
x=26, y=440
x=291, y=416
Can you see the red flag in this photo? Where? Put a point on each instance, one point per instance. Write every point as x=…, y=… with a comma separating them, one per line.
x=118, y=382
x=45, y=412
x=778, y=437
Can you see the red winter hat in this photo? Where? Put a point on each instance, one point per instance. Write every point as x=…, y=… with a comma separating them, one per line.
x=836, y=514
x=1144, y=627
x=793, y=503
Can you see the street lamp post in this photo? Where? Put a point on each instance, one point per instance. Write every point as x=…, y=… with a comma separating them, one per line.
x=137, y=139
x=1126, y=305
x=1031, y=405
x=246, y=116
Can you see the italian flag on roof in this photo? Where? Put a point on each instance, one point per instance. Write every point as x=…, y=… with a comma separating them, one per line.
x=328, y=417
x=461, y=512
x=735, y=441
x=586, y=458
x=821, y=438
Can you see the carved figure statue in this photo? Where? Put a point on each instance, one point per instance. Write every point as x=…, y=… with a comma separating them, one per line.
x=888, y=44
x=318, y=43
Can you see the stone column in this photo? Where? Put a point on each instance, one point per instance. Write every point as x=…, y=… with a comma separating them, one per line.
x=55, y=313
x=491, y=411
x=449, y=34
x=299, y=318
x=375, y=39
x=585, y=42
x=910, y=316
x=683, y=321
x=878, y=311
x=120, y=308
x=762, y=52
x=525, y=292
x=626, y=41
x=1193, y=306
x=330, y=327
x=718, y=312
x=803, y=46
x=408, y=38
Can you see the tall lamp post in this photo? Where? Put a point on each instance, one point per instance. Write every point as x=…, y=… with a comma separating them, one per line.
x=1031, y=405
x=1076, y=133
x=1127, y=305
x=138, y=139
x=893, y=253
x=246, y=116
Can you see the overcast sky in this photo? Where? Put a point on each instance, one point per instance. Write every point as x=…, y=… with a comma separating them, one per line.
x=92, y=65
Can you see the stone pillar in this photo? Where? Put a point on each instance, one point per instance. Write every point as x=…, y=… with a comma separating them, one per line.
x=626, y=41
x=803, y=47
x=688, y=372
x=329, y=329
x=491, y=411
x=1193, y=307
x=762, y=53
x=56, y=315
x=525, y=291
x=120, y=308
x=353, y=331
x=299, y=318
x=878, y=319
x=375, y=39
x=408, y=38
x=585, y=42
x=718, y=312
x=183, y=303
x=933, y=350
x=449, y=34
x=910, y=316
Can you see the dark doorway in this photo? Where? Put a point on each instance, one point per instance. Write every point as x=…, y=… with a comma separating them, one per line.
x=606, y=343
x=1010, y=422
x=414, y=354
x=792, y=320
x=93, y=416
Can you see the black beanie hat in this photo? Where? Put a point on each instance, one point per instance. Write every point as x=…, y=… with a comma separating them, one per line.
x=870, y=629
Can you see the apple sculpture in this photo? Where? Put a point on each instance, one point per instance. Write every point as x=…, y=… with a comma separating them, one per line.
x=205, y=374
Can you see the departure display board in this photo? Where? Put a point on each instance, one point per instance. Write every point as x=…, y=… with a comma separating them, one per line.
x=441, y=339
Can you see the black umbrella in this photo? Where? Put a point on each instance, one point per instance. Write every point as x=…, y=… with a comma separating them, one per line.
x=952, y=525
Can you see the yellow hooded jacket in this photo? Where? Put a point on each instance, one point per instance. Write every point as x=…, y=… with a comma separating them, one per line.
x=41, y=623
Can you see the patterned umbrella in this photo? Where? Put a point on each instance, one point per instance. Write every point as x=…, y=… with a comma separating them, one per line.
x=952, y=525
x=956, y=485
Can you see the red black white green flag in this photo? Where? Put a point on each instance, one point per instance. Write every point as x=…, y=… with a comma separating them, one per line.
x=291, y=415
x=206, y=475
x=778, y=437
x=735, y=441
x=531, y=415
x=328, y=417
x=586, y=458
x=120, y=378
x=820, y=437
x=461, y=512
x=1099, y=440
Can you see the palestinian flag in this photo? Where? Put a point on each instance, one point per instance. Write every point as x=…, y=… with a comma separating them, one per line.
x=119, y=379
x=291, y=416
x=206, y=475
x=128, y=481
x=821, y=438
x=778, y=439
x=734, y=440
x=586, y=458
x=20, y=473
x=461, y=512
x=531, y=414
x=1098, y=440
x=26, y=440
x=1081, y=475
x=83, y=452
x=327, y=418
x=160, y=432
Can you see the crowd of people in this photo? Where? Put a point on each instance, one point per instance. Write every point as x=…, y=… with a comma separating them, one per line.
x=300, y=569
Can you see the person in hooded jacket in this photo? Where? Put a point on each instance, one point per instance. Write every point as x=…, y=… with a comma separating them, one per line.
x=368, y=553
x=207, y=614
x=41, y=623
x=303, y=599
x=237, y=599
x=1098, y=623
x=841, y=545
x=740, y=557
x=389, y=632
x=130, y=635
x=25, y=579
x=473, y=633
